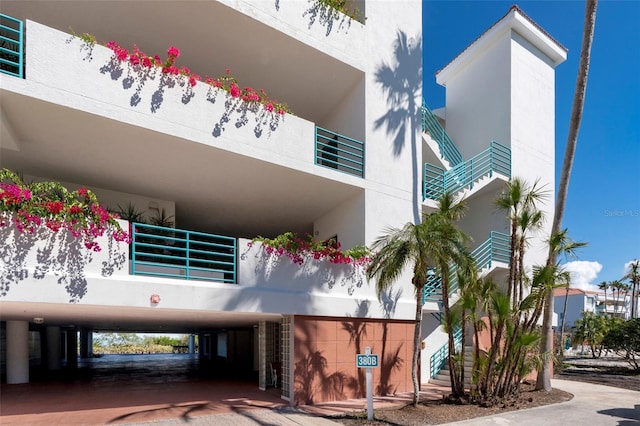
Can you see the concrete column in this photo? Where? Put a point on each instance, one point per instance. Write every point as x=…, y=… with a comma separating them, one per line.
x=86, y=343
x=192, y=344
x=72, y=349
x=53, y=348
x=17, y=352
x=261, y=350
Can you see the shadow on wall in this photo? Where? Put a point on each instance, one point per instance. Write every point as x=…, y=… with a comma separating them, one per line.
x=311, y=273
x=59, y=254
x=326, y=16
x=325, y=367
x=401, y=84
x=237, y=112
x=314, y=380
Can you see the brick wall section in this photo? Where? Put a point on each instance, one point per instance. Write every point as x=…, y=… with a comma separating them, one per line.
x=325, y=357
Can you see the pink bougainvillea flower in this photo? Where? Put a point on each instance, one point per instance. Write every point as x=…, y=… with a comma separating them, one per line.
x=234, y=90
x=173, y=52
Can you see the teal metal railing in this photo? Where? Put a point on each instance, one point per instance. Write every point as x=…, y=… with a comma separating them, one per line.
x=11, y=46
x=176, y=253
x=431, y=125
x=495, y=159
x=339, y=152
x=495, y=248
x=433, y=288
x=439, y=357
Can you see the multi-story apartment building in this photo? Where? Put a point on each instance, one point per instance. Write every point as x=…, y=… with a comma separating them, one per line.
x=577, y=302
x=614, y=305
x=354, y=159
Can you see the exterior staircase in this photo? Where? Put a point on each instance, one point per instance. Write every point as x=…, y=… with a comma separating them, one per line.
x=454, y=174
x=459, y=177
x=449, y=154
x=442, y=378
x=488, y=255
x=494, y=249
x=495, y=160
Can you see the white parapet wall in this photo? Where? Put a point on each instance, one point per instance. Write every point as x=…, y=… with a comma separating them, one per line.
x=45, y=267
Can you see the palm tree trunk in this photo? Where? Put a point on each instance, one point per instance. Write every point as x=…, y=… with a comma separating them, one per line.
x=544, y=374
x=417, y=344
x=564, y=314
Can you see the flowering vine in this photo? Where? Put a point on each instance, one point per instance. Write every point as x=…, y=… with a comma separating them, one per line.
x=298, y=249
x=168, y=67
x=51, y=205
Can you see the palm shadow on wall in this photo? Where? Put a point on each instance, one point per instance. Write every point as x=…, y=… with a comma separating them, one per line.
x=401, y=85
x=237, y=113
x=311, y=373
x=390, y=360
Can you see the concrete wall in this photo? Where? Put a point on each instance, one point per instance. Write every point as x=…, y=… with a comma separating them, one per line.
x=533, y=129
x=478, y=100
x=576, y=304
x=325, y=352
x=345, y=221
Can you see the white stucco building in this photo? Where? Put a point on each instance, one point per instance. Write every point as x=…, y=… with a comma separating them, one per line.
x=353, y=160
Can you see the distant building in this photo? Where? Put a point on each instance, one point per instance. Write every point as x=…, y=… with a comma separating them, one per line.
x=578, y=301
x=618, y=305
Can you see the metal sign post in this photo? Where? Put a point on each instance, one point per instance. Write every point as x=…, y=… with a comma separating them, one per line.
x=368, y=361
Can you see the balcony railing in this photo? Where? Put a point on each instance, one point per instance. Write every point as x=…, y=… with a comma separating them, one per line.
x=339, y=152
x=431, y=125
x=11, y=46
x=495, y=159
x=176, y=253
x=495, y=248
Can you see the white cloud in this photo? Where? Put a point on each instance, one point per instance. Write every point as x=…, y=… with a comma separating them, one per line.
x=627, y=266
x=583, y=274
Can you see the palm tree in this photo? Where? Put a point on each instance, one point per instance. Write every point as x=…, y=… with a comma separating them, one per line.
x=616, y=287
x=604, y=285
x=634, y=277
x=433, y=243
x=518, y=202
x=544, y=374
x=624, y=287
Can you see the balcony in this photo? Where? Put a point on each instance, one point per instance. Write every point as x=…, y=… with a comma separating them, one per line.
x=339, y=152
x=188, y=270
x=141, y=135
x=176, y=253
x=273, y=45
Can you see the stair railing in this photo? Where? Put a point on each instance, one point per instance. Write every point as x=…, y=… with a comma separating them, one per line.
x=495, y=159
x=431, y=125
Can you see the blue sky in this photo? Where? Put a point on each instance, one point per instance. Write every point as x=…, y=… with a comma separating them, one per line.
x=603, y=206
